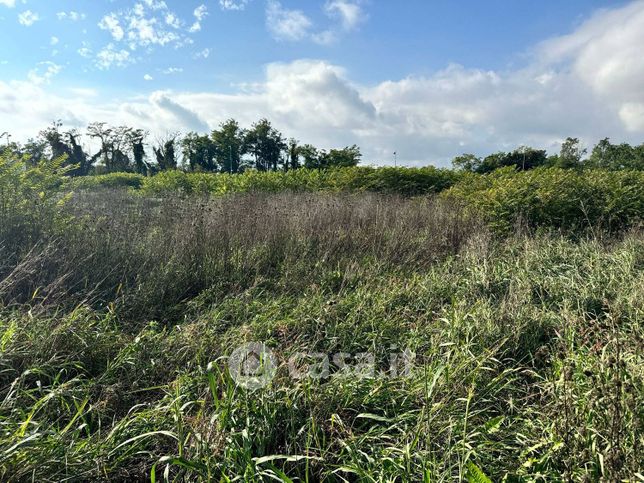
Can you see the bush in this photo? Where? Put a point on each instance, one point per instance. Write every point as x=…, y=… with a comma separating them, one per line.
x=555, y=198
x=402, y=181
x=112, y=180
x=30, y=202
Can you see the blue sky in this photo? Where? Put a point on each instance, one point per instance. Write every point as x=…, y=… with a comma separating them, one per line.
x=429, y=79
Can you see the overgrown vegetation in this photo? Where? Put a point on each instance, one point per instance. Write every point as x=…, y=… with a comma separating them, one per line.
x=118, y=309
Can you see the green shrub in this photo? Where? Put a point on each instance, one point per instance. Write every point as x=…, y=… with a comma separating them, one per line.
x=555, y=198
x=112, y=180
x=30, y=201
x=402, y=181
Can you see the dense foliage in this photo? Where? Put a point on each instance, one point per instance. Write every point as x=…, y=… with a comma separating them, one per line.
x=556, y=198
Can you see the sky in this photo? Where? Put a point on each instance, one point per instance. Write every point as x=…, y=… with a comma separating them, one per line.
x=428, y=79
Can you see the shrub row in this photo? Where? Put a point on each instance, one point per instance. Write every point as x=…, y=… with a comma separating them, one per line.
x=556, y=198
x=404, y=181
x=112, y=180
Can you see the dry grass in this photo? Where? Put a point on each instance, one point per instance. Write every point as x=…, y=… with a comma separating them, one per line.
x=150, y=255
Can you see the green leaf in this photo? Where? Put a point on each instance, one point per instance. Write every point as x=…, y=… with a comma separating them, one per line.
x=475, y=474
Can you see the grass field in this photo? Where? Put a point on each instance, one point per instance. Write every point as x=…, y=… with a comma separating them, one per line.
x=118, y=312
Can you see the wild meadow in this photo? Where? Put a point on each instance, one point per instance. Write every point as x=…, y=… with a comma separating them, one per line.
x=520, y=294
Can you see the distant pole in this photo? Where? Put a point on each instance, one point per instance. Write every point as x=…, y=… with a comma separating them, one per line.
x=395, y=159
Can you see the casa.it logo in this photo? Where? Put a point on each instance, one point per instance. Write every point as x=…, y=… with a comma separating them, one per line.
x=253, y=365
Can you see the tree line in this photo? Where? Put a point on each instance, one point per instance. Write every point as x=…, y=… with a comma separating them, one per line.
x=228, y=149
x=604, y=155
x=233, y=149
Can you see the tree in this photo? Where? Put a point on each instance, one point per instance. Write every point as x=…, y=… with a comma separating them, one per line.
x=467, y=162
x=293, y=155
x=523, y=158
x=266, y=144
x=34, y=149
x=228, y=143
x=310, y=155
x=136, y=139
x=617, y=156
x=571, y=154
x=66, y=144
x=115, y=144
x=77, y=155
x=340, y=158
x=492, y=162
x=165, y=152
x=200, y=152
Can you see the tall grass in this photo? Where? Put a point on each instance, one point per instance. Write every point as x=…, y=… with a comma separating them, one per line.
x=528, y=366
x=150, y=256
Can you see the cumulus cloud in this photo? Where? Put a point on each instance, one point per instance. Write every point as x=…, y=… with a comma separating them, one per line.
x=350, y=14
x=8, y=3
x=605, y=53
x=285, y=24
x=294, y=25
x=176, y=114
x=426, y=119
x=28, y=18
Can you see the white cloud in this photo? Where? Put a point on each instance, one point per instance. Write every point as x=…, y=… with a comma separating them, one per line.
x=111, y=56
x=200, y=13
x=112, y=25
x=295, y=25
x=233, y=4
x=156, y=5
x=85, y=52
x=605, y=53
x=72, y=15
x=172, y=20
x=54, y=41
x=350, y=14
x=203, y=54
x=425, y=119
x=286, y=24
x=28, y=18
x=149, y=23
x=172, y=70
x=148, y=77
x=44, y=72
x=8, y=3
x=142, y=31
